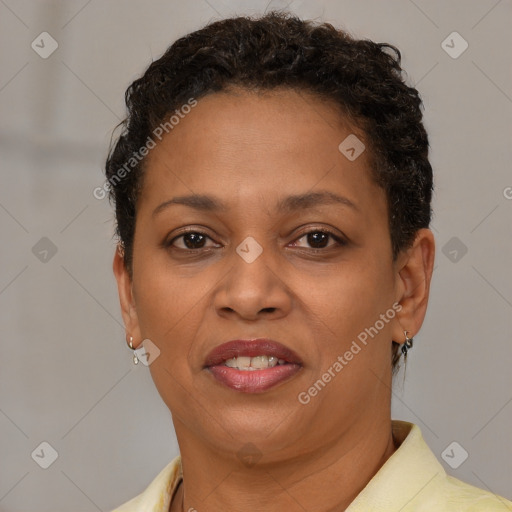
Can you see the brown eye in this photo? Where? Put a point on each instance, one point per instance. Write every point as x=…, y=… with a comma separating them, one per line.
x=191, y=240
x=319, y=239
x=194, y=240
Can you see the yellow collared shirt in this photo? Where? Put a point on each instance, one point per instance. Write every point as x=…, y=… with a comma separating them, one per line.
x=412, y=479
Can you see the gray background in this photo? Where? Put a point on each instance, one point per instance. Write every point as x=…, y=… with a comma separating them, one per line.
x=67, y=377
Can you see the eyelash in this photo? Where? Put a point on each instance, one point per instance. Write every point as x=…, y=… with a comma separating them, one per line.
x=340, y=241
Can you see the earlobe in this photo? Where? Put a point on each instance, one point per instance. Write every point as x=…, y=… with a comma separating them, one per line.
x=126, y=299
x=414, y=274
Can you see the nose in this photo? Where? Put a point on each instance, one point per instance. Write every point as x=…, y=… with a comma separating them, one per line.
x=254, y=289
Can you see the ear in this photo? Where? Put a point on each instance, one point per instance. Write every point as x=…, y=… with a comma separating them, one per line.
x=414, y=269
x=124, y=288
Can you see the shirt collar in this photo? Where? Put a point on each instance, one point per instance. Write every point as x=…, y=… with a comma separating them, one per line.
x=409, y=472
x=402, y=478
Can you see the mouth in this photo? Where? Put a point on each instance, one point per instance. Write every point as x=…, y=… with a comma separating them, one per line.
x=252, y=366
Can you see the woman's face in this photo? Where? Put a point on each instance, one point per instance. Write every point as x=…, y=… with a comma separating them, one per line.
x=252, y=271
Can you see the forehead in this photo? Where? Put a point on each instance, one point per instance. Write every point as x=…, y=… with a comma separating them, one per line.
x=258, y=143
x=264, y=115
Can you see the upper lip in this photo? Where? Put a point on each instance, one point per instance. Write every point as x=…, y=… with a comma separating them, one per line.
x=251, y=348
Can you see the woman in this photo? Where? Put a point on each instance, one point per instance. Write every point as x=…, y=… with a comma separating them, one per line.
x=272, y=190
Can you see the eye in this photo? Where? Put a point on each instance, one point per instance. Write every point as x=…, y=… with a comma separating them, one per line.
x=191, y=240
x=319, y=239
x=315, y=240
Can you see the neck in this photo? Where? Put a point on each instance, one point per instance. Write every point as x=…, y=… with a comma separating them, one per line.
x=325, y=479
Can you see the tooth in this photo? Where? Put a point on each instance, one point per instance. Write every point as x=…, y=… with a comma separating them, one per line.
x=272, y=361
x=253, y=363
x=259, y=362
x=243, y=362
x=231, y=362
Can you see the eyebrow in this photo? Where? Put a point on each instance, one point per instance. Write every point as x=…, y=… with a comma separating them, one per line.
x=288, y=204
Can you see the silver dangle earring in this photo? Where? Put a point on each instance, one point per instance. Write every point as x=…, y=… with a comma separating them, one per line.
x=135, y=358
x=407, y=344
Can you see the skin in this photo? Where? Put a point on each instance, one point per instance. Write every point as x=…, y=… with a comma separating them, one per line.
x=250, y=151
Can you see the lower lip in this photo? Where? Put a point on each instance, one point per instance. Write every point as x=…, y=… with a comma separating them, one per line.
x=253, y=381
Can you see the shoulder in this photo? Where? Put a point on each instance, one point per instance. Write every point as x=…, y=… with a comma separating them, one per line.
x=461, y=496
x=157, y=495
x=413, y=480
x=441, y=492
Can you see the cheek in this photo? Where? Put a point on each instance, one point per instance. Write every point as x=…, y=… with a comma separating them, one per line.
x=168, y=296
x=166, y=301
x=349, y=297
x=348, y=313
x=170, y=310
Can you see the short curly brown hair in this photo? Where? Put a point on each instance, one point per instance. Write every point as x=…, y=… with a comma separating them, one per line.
x=280, y=50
